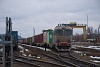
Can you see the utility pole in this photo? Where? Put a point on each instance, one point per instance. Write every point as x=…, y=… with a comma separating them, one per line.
x=87, y=26
x=33, y=31
x=87, y=21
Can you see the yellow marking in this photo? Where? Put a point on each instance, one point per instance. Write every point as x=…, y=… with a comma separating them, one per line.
x=84, y=30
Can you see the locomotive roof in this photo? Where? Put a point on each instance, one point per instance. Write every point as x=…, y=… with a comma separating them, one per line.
x=61, y=27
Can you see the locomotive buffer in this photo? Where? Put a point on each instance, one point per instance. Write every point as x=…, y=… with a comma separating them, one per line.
x=8, y=45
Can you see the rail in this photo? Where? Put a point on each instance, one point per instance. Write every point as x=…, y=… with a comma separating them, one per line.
x=38, y=63
x=78, y=61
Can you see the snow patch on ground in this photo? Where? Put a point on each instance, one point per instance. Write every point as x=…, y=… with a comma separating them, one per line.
x=38, y=57
x=38, y=47
x=26, y=50
x=22, y=51
x=94, y=47
x=29, y=55
x=91, y=47
x=21, y=47
x=79, y=52
x=24, y=54
x=1, y=49
x=44, y=48
x=95, y=61
x=95, y=57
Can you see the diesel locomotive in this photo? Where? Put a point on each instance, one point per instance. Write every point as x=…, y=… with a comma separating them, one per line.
x=62, y=38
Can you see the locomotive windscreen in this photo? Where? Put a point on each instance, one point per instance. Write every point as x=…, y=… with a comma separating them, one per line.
x=63, y=32
x=58, y=32
x=68, y=32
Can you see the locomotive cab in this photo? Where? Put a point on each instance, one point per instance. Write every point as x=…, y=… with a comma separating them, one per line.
x=62, y=38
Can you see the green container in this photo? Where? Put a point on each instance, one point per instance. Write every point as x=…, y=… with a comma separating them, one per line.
x=50, y=36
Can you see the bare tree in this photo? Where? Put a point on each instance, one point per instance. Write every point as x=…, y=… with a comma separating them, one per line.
x=96, y=31
x=90, y=32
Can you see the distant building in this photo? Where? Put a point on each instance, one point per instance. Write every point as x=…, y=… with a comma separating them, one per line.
x=1, y=35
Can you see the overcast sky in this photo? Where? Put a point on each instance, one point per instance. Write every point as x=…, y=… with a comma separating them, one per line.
x=46, y=14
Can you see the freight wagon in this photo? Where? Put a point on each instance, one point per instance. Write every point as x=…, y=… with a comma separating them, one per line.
x=28, y=40
x=38, y=40
x=48, y=37
x=60, y=38
x=99, y=39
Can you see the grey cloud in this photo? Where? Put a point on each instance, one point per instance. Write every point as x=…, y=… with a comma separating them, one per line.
x=44, y=14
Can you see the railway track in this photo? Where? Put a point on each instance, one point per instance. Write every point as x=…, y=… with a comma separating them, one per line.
x=53, y=56
x=74, y=60
x=36, y=62
x=67, y=60
x=80, y=63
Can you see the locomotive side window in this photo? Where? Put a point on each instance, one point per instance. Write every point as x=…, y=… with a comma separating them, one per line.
x=58, y=32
